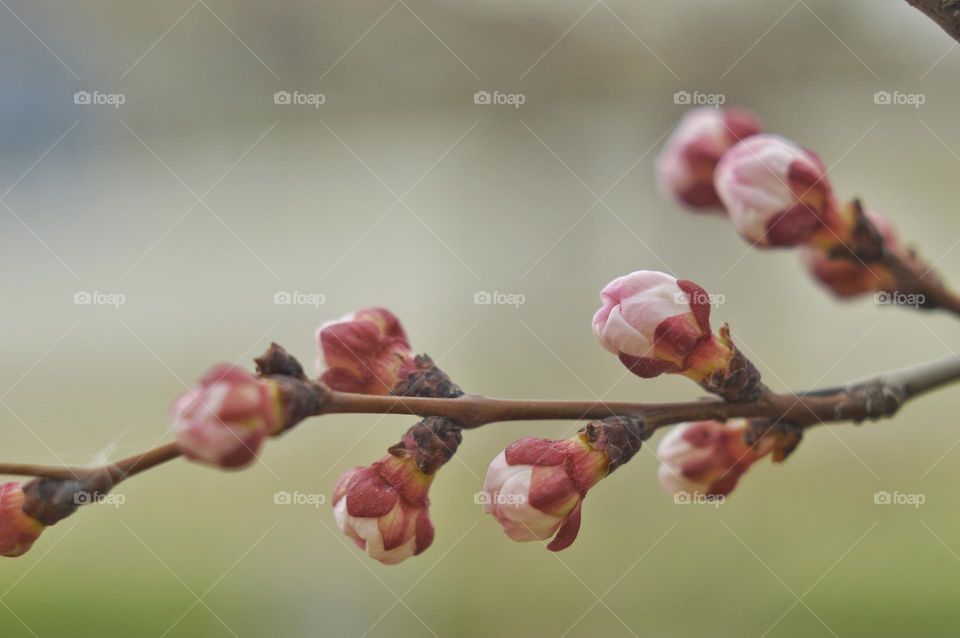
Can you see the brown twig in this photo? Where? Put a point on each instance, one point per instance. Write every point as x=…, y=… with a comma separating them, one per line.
x=874, y=398
x=946, y=13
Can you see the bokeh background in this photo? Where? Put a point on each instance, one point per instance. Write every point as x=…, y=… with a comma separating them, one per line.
x=199, y=199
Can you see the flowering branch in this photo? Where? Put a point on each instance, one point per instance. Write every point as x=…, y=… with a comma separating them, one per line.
x=877, y=397
x=776, y=195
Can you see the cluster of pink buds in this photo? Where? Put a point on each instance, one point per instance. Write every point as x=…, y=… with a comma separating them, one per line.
x=777, y=194
x=658, y=324
x=535, y=488
x=384, y=507
x=686, y=164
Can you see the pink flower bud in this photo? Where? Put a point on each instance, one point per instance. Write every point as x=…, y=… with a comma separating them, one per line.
x=708, y=457
x=685, y=165
x=224, y=419
x=17, y=530
x=846, y=276
x=366, y=352
x=655, y=324
x=384, y=509
x=535, y=488
x=777, y=193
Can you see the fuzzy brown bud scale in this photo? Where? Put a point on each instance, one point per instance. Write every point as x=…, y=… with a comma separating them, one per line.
x=299, y=397
x=426, y=380
x=784, y=436
x=434, y=440
x=739, y=381
x=276, y=360
x=52, y=500
x=619, y=437
x=430, y=443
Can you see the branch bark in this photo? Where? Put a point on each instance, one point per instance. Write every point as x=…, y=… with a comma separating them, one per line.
x=946, y=13
x=877, y=397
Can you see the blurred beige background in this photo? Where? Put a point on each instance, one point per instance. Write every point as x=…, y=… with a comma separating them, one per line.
x=294, y=198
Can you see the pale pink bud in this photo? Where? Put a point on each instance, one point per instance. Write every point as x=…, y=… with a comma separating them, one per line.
x=707, y=457
x=366, y=352
x=535, y=488
x=224, y=419
x=17, y=530
x=777, y=193
x=384, y=509
x=656, y=323
x=685, y=165
x=846, y=276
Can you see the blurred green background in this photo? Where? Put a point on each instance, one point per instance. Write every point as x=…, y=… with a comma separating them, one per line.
x=199, y=199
